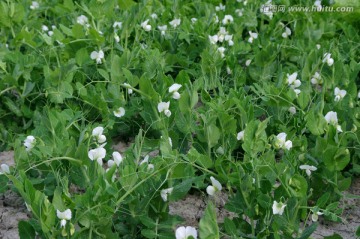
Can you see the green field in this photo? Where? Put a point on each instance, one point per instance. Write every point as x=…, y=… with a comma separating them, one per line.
x=258, y=100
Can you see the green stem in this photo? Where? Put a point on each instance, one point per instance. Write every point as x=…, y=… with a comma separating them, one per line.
x=7, y=89
x=54, y=159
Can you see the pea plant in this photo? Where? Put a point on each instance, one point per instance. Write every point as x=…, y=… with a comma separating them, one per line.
x=232, y=96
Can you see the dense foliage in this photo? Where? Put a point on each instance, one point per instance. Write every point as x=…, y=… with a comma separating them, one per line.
x=261, y=105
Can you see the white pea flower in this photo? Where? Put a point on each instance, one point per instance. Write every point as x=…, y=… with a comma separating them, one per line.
x=164, y=193
x=316, y=79
x=253, y=35
x=4, y=169
x=117, y=25
x=228, y=70
x=145, y=25
x=170, y=142
x=221, y=50
x=29, y=142
x=154, y=16
x=97, y=154
x=317, y=4
x=318, y=46
x=239, y=12
x=331, y=118
x=216, y=19
x=98, y=56
x=222, y=34
x=281, y=141
x=120, y=112
x=150, y=167
x=176, y=22
x=267, y=9
x=220, y=7
x=227, y=19
x=193, y=20
x=359, y=95
x=97, y=133
x=292, y=81
x=292, y=110
x=308, y=169
x=240, y=135
x=63, y=216
x=117, y=158
x=220, y=150
x=164, y=107
x=278, y=208
x=50, y=33
x=110, y=163
x=214, y=39
x=34, y=5
x=162, y=29
x=174, y=90
x=228, y=38
x=185, y=232
x=215, y=187
x=315, y=216
x=44, y=28
x=247, y=62
x=145, y=160
x=297, y=92
x=339, y=94
x=117, y=38
x=82, y=20
x=130, y=91
x=287, y=33
x=328, y=59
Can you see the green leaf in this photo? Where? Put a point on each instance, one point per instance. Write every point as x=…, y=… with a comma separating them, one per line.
x=12, y=106
x=104, y=74
x=126, y=4
x=26, y=230
x=321, y=202
x=128, y=178
x=303, y=100
x=212, y=135
x=146, y=86
x=255, y=139
x=344, y=184
x=66, y=30
x=208, y=227
x=298, y=185
x=228, y=123
x=57, y=200
x=149, y=233
x=230, y=227
x=115, y=73
x=201, y=159
x=308, y=231
x=82, y=56
x=336, y=159
x=334, y=236
x=315, y=122
x=148, y=222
